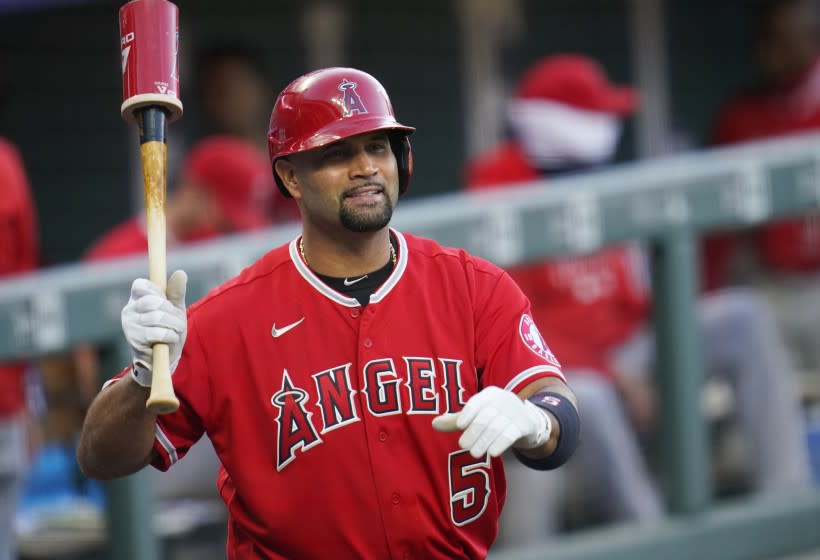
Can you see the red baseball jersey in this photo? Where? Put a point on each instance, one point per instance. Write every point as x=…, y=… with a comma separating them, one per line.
x=18, y=253
x=588, y=305
x=793, y=244
x=128, y=238
x=320, y=410
x=18, y=237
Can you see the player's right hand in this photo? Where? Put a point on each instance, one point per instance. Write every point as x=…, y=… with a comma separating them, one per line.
x=150, y=317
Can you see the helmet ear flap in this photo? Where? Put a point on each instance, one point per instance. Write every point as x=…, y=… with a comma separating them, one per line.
x=400, y=143
x=285, y=192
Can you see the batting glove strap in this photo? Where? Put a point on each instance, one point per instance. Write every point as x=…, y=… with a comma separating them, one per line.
x=542, y=424
x=141, y=373
x=570, y=424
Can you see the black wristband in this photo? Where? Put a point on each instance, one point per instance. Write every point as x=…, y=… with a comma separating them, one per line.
x=570, y=423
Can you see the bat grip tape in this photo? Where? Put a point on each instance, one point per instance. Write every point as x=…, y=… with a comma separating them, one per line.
x=152, y=121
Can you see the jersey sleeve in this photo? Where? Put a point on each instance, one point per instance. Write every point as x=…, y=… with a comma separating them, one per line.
x=510, y=351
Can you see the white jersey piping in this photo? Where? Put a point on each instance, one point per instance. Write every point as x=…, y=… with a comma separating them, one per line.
x=532, y=372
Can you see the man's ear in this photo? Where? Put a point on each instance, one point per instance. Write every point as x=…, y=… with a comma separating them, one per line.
x=286, y=171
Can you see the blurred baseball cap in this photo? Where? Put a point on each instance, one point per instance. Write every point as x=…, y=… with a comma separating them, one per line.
x=578, y=81
x=238, y=174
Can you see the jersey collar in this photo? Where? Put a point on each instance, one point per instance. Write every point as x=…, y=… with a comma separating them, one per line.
x=341, y=299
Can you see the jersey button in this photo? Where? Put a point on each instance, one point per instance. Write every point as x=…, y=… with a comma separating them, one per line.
x=355, y=313
x=395, y=498
x=368, y=343
x=382, y=436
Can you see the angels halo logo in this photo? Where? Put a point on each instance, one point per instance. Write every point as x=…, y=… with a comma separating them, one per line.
x=534, y=341
x=351, y=101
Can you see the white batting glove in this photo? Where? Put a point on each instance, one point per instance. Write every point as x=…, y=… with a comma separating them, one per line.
x=150, y=317
x=494, y=420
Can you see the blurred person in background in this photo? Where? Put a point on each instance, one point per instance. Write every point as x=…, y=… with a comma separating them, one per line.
x=18, y=254
x=233, y=94
x=232, y=90
x=565, y=117
x=224, y=187
x=781, y=257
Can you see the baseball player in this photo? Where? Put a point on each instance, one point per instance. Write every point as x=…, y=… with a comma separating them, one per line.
x=780, y=257
x=224, y=187
x=19, y=251
x=359, y=384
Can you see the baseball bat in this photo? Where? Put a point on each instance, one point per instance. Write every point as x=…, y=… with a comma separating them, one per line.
x=154, y=157
x=149, y=43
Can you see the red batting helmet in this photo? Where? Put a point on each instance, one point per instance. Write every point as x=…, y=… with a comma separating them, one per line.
x=327, y=105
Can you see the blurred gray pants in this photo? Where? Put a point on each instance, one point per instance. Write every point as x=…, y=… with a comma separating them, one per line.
x=741, y=344
x=13, y=460
x=795, y=303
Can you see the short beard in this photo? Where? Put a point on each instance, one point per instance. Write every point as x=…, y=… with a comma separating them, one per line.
x=363, y=222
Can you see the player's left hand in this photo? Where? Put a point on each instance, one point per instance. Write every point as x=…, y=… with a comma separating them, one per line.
x=493, y=420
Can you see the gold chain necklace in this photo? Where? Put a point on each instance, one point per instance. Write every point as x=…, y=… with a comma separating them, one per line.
x=393, y=258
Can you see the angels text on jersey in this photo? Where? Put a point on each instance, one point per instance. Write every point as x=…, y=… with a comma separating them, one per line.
x=431, y=386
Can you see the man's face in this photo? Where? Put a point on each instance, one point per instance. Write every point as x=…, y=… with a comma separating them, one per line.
x=234, y=97
x=789, y=43
x=195, y=213
x=353, y=182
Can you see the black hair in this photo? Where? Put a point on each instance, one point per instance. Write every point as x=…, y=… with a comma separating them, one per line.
x=764, y=12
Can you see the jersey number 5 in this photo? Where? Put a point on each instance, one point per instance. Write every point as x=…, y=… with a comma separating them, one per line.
x=469, y=486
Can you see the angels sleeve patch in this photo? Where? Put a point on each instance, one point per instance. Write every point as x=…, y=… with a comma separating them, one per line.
x=534, y=341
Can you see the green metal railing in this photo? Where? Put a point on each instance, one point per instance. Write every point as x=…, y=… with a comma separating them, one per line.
x=664, y=202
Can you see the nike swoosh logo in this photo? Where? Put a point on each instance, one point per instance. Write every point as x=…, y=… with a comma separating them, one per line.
x=349, y=282
x=276, y=333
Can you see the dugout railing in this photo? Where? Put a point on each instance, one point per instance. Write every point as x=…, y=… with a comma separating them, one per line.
x=664, y=202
